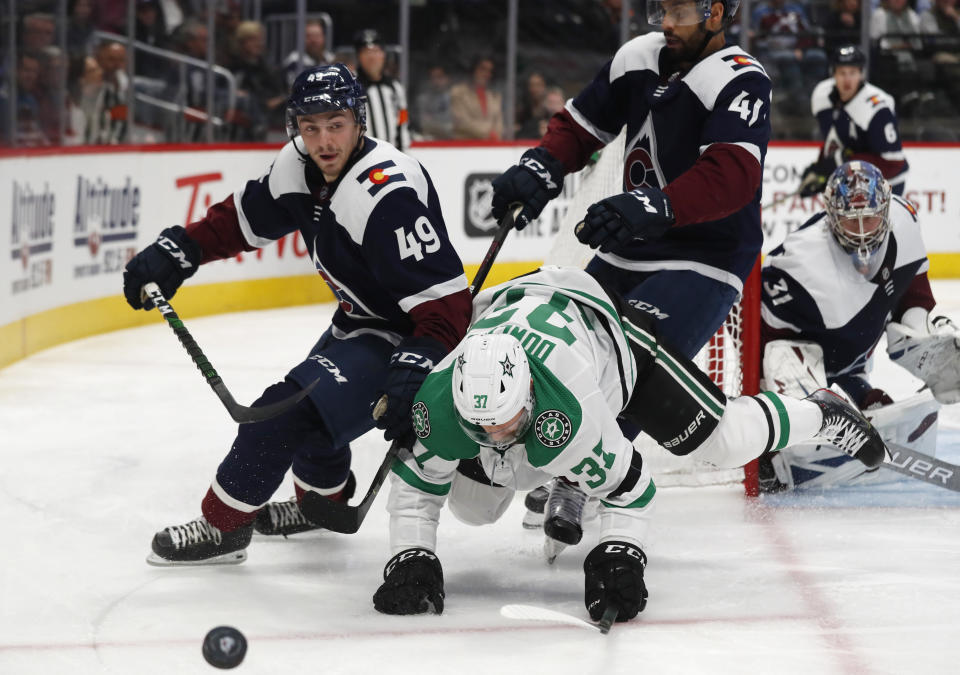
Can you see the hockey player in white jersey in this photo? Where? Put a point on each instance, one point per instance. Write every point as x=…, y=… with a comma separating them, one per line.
x=371, y=220
x=857, y=121
x=833, y=287
x=534, y=392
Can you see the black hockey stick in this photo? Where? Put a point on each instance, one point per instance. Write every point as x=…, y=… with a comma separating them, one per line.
x=340, y=517
x=923, y=467
x=240, y=413
x=790, y=195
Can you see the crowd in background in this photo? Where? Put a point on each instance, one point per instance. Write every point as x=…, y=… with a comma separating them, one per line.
x=70, y=84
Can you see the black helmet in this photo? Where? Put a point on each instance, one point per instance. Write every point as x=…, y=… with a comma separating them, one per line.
x=367, y=37
x=322, y=89
x=848, y=55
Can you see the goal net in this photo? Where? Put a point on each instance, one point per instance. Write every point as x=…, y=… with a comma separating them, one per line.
x=731, y=358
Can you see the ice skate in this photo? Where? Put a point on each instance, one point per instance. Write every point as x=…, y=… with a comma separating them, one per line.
x=199, y=543
x=286, y=518
x=847, y=430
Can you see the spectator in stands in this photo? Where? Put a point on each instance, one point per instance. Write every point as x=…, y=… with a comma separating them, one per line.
x=387, y=117
x=84, y=101
x=39, y=30
x=315, y=51
x=842, y=26
x=112, y=57
x=151, y=31
x=80, y=40
x=943, y=20
x=477, y=109
x=51, y=92
x=261, y=89
x=895, y=18
x=434, y=117
x=28, y=132
x=530, y=108
x=553, y=101
x=786, y=40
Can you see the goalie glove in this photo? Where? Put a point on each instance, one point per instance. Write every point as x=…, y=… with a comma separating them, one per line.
x=614, y=576
x=930, y=352
x=412, y=584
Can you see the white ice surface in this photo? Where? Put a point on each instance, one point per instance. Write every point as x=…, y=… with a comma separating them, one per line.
x=105, y=440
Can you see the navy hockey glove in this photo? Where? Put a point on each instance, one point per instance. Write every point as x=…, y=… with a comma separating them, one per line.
x=413, y=582
x=410, y=364
x=815, y=176
x=614, y=576
x=534, y=181
x=167, y=262
x=644, y=213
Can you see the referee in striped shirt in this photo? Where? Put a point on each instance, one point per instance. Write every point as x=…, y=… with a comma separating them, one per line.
x=386, y=100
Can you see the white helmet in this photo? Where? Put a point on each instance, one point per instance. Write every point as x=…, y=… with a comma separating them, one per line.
x=491, y=385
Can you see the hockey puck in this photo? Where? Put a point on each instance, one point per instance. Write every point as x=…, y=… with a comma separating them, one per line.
x=224, y=647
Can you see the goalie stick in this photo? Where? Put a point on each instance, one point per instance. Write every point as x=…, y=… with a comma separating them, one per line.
x=533, y=613
x=923, y=467
x=240, y=413
x=340, y=517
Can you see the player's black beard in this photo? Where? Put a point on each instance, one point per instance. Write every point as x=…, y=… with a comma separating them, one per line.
x=683, y=58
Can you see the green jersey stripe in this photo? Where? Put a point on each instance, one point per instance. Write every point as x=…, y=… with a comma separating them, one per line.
x=782, y=416
x=413, y=480
x=639, y=502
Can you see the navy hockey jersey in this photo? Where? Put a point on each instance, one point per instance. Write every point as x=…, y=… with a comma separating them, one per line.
x=865, y=127
x=376, y=236
x=715, y=116
x=811, y=290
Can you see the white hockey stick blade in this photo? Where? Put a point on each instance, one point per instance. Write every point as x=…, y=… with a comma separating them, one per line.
x=532, y=613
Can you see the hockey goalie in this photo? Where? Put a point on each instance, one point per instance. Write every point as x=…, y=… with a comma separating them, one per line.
x=848, y=275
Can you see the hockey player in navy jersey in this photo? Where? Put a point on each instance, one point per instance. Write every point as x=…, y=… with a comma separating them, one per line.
x=857, y=121
x=833, y=287
x=681, y=238
x=371, y=220
x=684, y=233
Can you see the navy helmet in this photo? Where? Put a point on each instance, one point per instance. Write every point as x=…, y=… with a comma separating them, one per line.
x=848, y=55
x=320, y=89
x=689, y=13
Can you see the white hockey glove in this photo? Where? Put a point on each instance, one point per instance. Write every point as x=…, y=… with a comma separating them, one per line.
x=931, y=352
x=793, y=367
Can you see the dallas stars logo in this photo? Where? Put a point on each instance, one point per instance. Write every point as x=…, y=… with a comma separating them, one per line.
x=507, y=366
x=421, y=420
x=553, y=428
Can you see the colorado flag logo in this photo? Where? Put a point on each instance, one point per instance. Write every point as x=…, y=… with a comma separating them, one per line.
x=379, y=176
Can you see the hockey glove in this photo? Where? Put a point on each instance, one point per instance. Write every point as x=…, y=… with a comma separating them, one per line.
x=815, y=176
x=534, y=181
x=413, y=584
x=644, y=213
x=167, y=262
x=614, y=576
x=410, y=364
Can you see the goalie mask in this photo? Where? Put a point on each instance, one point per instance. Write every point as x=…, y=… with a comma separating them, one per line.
x=492, y=390
x=857, y=201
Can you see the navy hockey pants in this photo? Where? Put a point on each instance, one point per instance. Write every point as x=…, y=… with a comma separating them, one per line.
x=689, y=307
x=313, y=438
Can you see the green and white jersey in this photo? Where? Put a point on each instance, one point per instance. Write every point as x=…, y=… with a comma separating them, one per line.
x=583, y=373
